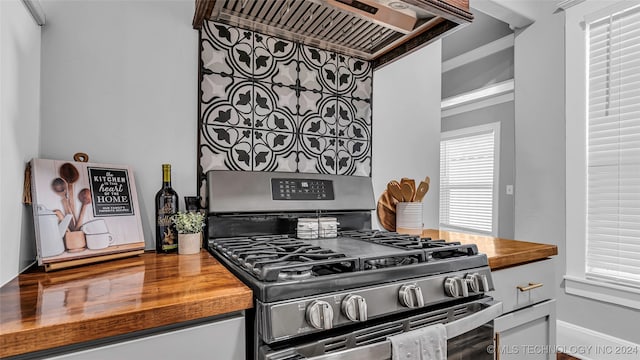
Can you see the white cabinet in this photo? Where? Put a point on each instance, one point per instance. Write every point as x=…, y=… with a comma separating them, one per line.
x=524, y=285
x=527, y=329
x=528, y=333
x=223, y=339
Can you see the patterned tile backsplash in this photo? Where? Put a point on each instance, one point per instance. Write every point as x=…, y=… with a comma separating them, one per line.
x=269, y=104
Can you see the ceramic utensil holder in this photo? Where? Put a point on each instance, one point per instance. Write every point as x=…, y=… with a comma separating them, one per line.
x=409, y=218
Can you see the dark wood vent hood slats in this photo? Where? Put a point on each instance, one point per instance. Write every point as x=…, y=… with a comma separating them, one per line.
x=383, y=32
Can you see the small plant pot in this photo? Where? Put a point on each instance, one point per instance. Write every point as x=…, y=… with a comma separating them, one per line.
x=189, y=243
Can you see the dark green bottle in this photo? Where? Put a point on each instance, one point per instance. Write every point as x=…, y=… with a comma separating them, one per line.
x=166, y=207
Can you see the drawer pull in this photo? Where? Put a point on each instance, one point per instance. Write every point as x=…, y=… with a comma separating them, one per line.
x=530, y=287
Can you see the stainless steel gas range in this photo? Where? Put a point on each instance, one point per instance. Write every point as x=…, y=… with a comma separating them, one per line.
x=341, y=297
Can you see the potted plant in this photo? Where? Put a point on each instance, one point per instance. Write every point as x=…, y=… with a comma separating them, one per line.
x=189, y=226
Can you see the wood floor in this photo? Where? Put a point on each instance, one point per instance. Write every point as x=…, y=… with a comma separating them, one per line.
x=563, y=356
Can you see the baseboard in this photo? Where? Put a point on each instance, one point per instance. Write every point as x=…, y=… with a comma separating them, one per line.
x=587, y=344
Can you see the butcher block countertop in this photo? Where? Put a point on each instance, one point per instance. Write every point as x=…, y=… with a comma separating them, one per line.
x=41, y=310
x=502, y=253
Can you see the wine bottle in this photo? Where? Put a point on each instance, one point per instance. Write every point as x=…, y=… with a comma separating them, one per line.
x=166, y=206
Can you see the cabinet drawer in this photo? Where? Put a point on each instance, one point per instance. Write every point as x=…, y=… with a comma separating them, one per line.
x=524, y=285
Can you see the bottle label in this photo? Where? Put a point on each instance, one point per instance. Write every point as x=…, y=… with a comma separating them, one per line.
x=166, y=226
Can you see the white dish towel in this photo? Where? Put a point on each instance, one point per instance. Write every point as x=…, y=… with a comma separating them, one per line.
x=428, y=343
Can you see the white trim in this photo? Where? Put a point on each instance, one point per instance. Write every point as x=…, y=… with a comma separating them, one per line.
x=591, y=345
x=478, y=53
x=36, y=11
x=478, y=105
x=599, y=290
x=565, y=4
x=500, y=12
x=478, y=94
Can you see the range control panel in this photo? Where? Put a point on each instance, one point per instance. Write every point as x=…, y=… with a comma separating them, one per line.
x=302, y=189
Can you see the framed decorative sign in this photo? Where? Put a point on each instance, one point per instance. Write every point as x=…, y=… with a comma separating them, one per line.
x=84, y=212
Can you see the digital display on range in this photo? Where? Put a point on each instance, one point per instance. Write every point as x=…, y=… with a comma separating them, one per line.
x=302, y=189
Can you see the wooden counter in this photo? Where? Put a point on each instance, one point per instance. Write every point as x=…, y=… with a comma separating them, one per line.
x=41, y=310
x=502, y=253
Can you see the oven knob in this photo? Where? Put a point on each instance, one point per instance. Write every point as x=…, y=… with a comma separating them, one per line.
x=483, y=283
x=411, y=296
x=320, y=315
x=354, y=307
x=473, y=282
x=456, y=287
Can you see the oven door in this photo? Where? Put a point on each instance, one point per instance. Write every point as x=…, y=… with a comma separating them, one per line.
x=469, y=336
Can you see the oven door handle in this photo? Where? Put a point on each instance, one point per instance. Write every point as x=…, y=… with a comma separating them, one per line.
x=382, y=350
x=473, y=321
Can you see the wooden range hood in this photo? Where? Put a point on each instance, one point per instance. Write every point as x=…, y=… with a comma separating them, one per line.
x=376, y=30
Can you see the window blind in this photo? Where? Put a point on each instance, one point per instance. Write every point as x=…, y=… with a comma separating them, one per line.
x=467, y=179
x=613, y=148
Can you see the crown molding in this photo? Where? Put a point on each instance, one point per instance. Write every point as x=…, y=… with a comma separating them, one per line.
x=478, y=53
x=35, y=10
x=565, y=4
x=479, y=98
x=503, y=13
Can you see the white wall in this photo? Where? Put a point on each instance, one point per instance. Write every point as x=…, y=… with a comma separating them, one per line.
x=406, y=124
x=504, y=114
x=19, y=132
x=540, y=160
x=119, y=82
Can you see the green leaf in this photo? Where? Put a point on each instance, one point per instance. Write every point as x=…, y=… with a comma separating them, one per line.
x=191, y=222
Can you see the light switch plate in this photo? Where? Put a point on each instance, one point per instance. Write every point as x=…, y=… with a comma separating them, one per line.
x=509, y=189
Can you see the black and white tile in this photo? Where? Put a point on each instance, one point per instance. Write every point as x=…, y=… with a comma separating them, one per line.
x=269, y=104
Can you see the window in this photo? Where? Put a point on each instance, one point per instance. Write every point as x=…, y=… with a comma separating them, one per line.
x=468, y=179
x=613, y=148
x=603, y=151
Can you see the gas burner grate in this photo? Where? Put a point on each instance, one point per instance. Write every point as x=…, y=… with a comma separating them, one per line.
x=434, y=249
x=282, y=258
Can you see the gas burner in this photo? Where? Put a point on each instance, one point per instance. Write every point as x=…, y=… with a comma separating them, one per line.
x=280, y=257
x=296, y=273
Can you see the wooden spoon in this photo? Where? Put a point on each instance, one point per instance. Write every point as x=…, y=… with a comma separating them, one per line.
x=407, y=192
x=393, y=187
x=70, y=174
x=59, y=186
x=421, y=191
x=59, y=215
x=412, y=184
x=85, y=198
